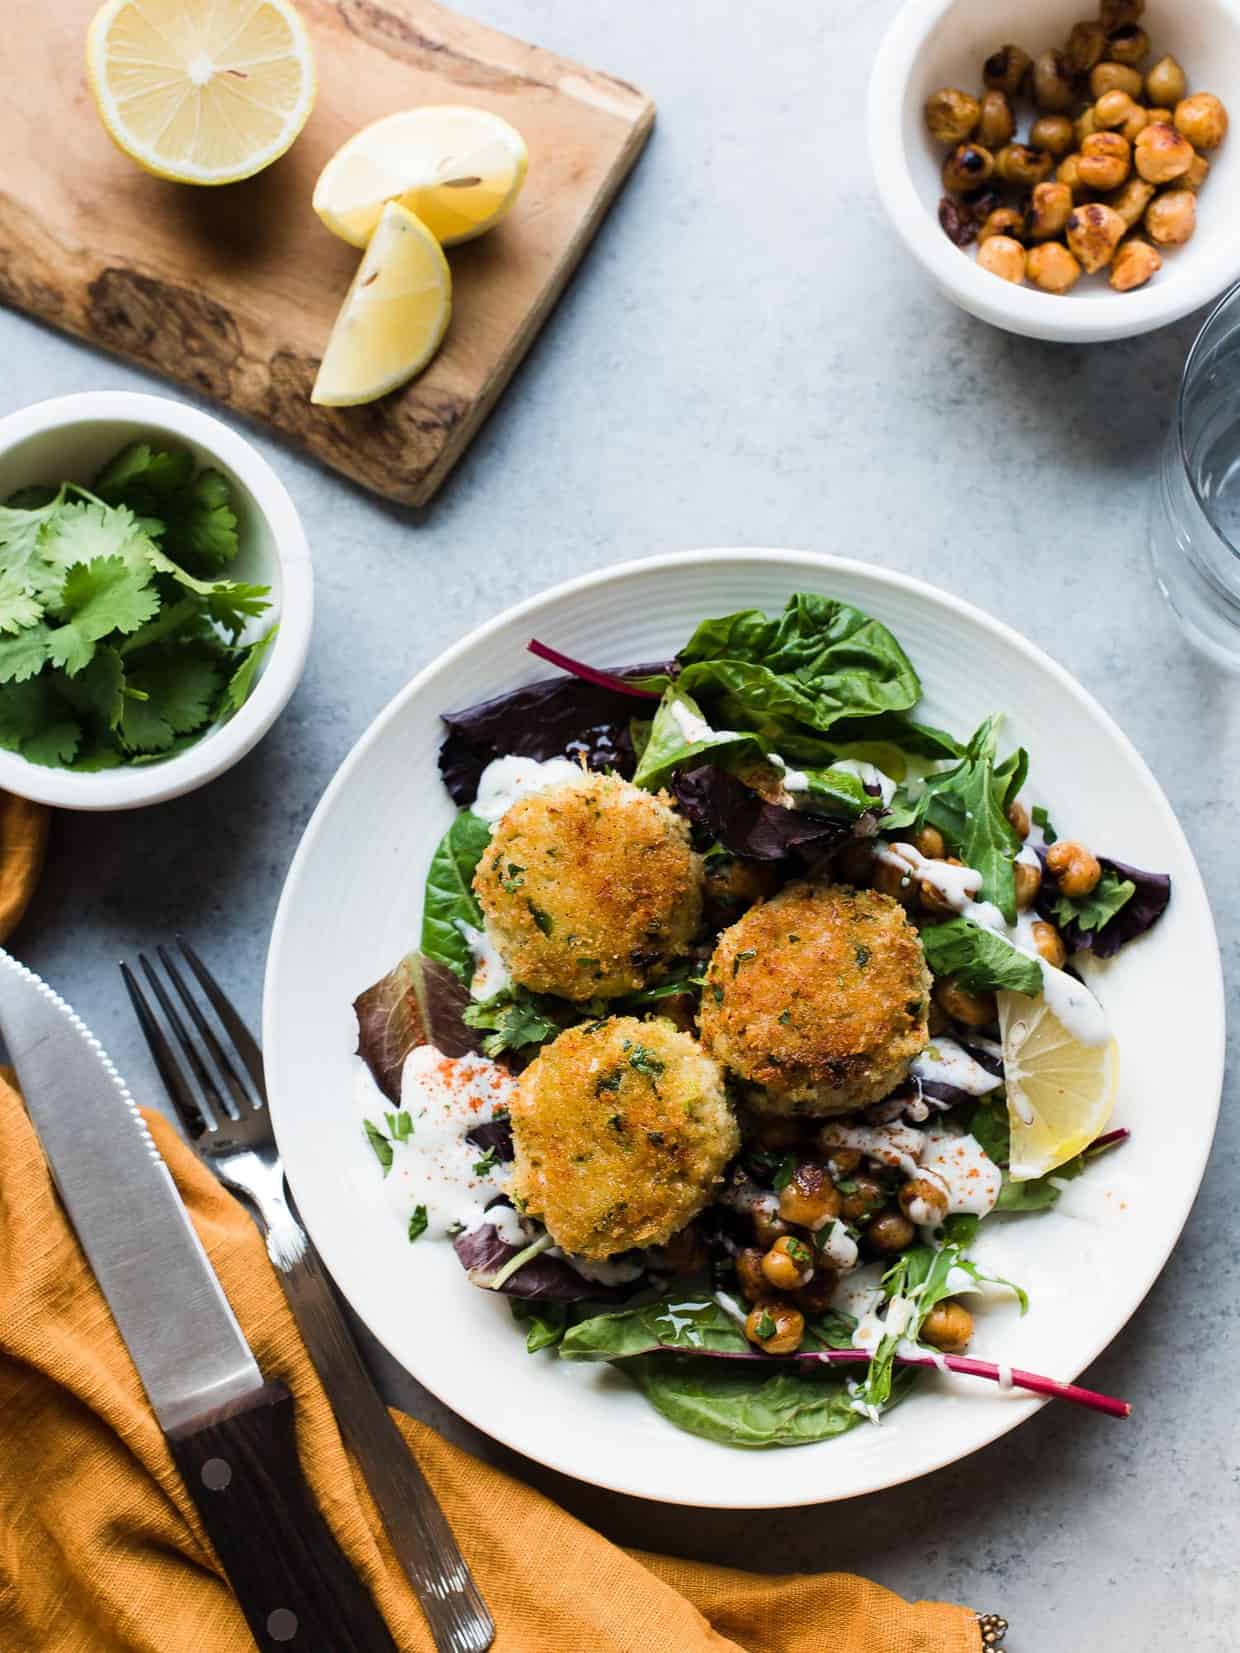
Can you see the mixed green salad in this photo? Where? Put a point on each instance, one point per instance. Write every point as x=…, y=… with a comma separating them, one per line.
x=120, y=636
x=878, y=947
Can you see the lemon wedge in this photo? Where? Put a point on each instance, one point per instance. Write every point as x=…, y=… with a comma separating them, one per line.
x=1060, y=1089
x=459, y=169
x=393, y=317
x=201, y=91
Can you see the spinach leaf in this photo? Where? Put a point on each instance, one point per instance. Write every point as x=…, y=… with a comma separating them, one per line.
x=988, y=1125
x=691, y=1321
x=816, y=663
x=917, y=740
x=836, y=792
x=737, y=1405
x=669, y=747
x=968, y=804
x=450, y=899
x=546, y=1322
x=979, y=959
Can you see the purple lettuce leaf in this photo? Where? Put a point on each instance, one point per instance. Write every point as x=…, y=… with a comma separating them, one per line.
x=543, y=1279
x=494, y=1137
x=420, y=1002
x=746, y=825
x=1139, y=913
x=553, y=718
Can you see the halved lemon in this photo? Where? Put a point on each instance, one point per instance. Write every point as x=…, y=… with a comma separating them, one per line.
x=201, y=91
x=1060, y=1090
x=393, y=317
x=460, y=169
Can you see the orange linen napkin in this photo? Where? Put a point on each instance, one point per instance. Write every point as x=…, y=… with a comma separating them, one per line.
x=101, y=1550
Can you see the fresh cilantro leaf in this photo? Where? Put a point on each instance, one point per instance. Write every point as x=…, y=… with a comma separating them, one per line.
x=24, y=655
x=978, y=959
x=95, y=757
x=399, y=1124
x=18, y=605
x=99, y=597
x=488, y=1162
x=204, y=526
x=98, y=691
x=1042, y=819
x=380, y=1144
x=25, y=709
x=784, y=1173
x=141, y=475
x=142, y=728
x=180, y=684
x=243, y=679
x=85, y=532
x=514, y=1020
x=645, y=1062
x=54, y=746
x=418, y=1221
x=1094, y=911
x=35, y=497
x=22, y=533
x=230, y=603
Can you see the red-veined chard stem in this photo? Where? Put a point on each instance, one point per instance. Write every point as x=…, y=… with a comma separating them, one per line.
x=591, y=674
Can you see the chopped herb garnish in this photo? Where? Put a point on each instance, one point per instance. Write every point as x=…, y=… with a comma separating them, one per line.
x=400, y=1125
x=513, y=879
x=784, y=1174
x=765, y=1326
x=543, y=920
x=717, y=991
x=794, y=939
x=1043, y=820
x=609, y=1082
x=417, y=1222
x=785, y=1016
x=848, y=1186
x=487, y=1163
x=799, y=1252
x=743, y=957
x=645, y=1061
x=862, y=955
x=380, y=1144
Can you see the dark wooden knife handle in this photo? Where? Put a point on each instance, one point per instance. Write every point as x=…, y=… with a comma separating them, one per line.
x=296, y=1589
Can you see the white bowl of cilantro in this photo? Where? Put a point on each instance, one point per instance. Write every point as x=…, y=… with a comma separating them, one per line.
x=156, y=597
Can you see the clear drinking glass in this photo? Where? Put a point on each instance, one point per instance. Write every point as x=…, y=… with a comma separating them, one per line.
x=1195, y=514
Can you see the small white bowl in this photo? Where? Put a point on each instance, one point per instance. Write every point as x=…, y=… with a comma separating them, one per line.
x=70, y=438
x=935, y=43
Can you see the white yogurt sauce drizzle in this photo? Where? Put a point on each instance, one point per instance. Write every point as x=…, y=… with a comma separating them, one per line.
x=896, y=1145
x=693, y=726
x=443, y=1098
x=869, y=775
x=1068, y=999
x=504, y=780
x=969, y=1177
x=947, y=1062
x=490, y=972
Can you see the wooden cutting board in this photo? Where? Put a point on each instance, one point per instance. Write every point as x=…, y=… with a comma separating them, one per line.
x=233, y=291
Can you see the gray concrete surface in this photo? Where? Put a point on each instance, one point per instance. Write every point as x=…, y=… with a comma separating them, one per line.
x=748, y=356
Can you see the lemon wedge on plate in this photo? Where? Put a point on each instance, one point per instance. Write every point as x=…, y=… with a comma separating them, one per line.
x=1060, y=1086
x=460, y=169
x=393, y=316
x=201, y=91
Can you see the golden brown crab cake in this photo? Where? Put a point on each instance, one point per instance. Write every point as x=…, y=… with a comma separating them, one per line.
x=817, y=999
x=590, y=889
x=621, y=1130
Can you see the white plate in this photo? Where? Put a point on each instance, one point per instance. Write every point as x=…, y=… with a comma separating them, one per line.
x=352, y=907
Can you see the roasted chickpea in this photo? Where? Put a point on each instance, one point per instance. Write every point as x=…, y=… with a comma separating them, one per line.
x=1196, y=174
x=928, y=840
x=1166, y=83
x=1128, y=44
x=749, y=1275
x=1018, y=819
x=768, y=1227
x=1121, y=115
x=1113, y=14
x=1133, y=265
x=1115, y=77
x=890, y=1232
x=1054, y=86
x=1052, y=267
x=996, y=124
x=1028, y=882
x=896, y=882
x=1006, y=69
x=1069, y=172
x=973, y=1009
x=816, y=1295
x=932, y=899
x=1053, y=133
x=1049, y=209
x=1004, y=257
x=811, y=1199
x=1094, y=232
x=967, y=166
x=951, y=115
x=776, y=1327
x=1106, y=160
x=1131, y=201
x=867, y=1197
x=1073, y=867
x=788, y=1264
x=842, y=1162
x=923, y=1201
x=1155, y=116
x=1161, y=154
x=1085, y=125
x=1049, y=943
x=1202, y=119
x=1084, y=47
x=1171, y=218
x=948, y=1326
x=1016, y=163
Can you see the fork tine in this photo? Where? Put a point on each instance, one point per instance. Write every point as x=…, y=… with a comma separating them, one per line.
x=170, y=1071
x=242, y=1099
x=244, y=1042
x=201, y=1072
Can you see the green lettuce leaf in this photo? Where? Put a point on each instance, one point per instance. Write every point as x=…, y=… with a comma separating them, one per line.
x=1094, y=911
x=450, y=899
x=968, y=804
x=980, y=960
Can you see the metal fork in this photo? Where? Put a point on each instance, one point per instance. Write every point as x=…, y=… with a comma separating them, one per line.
x=239, y=1146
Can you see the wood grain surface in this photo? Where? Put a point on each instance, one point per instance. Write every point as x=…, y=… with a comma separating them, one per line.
x=233, y=291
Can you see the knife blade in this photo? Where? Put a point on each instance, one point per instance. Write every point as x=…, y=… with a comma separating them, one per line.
x=230, y=1432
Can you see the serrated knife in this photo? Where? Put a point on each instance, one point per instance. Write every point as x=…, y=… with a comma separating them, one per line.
x=229, y=1432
